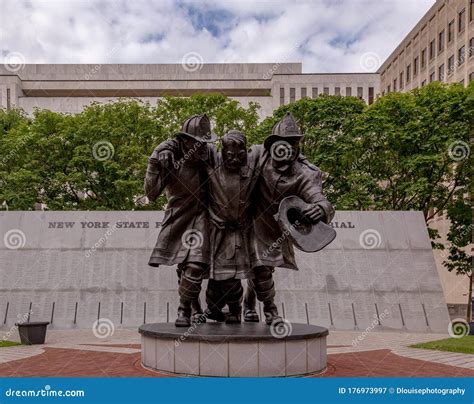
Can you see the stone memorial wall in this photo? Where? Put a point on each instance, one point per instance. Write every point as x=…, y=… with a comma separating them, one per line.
x=75, y=267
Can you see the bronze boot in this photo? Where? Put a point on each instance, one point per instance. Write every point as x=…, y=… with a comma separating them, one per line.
x=189, y=289
x=250, y=302
x=271, y=312
x=197, y=314
x=235, y=314
x=215, y=301
x=184, y=314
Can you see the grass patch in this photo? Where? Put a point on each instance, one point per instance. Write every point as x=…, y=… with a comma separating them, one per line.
x=459, y=345
x=4, y=343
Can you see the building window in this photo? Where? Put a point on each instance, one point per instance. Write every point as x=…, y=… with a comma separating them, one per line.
x=348, y=91
x=462, y=20
x=326, y=90
x=441, y=73
x=371, y=95
x=471, y=46
x=337, y=91
x=401, y=80
x=282, y=95
x=423, y=58
x=451, y=31
x=303, y=92
x=461, y=55
x=408, y=73
x=314, y=92
x=423, y=83
x=394, y=84
x=292, y=94
x=388, y=89
x=441, y=41
x=432, y=77
x=432, y=49
x=471, y=76
x=360, y=92
x=415, y=66
x=451, y=64
x=8, y=99
x=471, y=11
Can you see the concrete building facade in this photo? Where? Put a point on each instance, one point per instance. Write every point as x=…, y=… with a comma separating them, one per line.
x=68, y=88
x=439, y=48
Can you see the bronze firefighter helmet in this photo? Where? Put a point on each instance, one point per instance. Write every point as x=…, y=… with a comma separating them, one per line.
x=198, y=127
x=304, y=234
x=286, y=128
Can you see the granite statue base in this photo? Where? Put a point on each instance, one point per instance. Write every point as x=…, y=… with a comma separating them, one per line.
x=234, y=350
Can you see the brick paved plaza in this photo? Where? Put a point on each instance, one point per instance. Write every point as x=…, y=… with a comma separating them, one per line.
x=80, y=353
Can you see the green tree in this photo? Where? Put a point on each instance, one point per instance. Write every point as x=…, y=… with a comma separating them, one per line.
x=410, y=136
x=458, y=260
x=18, y=185
x=459, y=213
x=225, y=113
x=327, y=123
x=96, y=160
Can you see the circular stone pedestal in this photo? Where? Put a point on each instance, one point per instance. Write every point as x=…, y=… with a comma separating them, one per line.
x=233, y=350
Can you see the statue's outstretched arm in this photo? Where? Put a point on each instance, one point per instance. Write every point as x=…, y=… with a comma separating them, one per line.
x=159, y=165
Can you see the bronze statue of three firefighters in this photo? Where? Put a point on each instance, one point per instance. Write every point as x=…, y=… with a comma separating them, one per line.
x=221, y=221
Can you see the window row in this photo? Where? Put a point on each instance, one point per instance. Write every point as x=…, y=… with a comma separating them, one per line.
x=432, y=78
x=315, y=91
x=452, y=64
x=430, y=52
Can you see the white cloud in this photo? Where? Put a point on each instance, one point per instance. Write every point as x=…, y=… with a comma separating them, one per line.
x=327, y=36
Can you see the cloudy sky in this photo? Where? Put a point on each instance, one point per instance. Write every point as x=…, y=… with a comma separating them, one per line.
x=326, y=35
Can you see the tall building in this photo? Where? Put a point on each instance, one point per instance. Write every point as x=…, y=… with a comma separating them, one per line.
x=69, y=88
x=440, y=47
